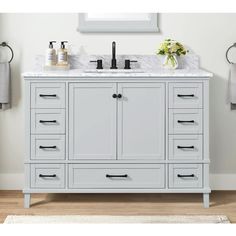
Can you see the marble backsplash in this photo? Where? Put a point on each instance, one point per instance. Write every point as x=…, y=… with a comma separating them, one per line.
x=189, y=61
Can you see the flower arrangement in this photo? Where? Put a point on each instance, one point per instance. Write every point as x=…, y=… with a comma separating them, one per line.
x=171, y=48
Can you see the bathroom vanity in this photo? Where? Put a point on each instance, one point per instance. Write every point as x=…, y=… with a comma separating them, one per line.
x=117, y=132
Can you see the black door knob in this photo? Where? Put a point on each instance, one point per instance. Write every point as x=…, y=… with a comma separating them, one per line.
x=119, y=95
x=114, y=96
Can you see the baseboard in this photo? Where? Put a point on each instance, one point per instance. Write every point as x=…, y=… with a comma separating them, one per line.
x=11, y=181
x=217, y=181
x=223, y=181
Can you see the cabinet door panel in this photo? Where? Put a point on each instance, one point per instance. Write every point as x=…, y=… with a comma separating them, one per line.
x=92, y=121
x=141, y=121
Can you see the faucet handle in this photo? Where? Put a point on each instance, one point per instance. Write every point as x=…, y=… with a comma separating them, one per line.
x=127, y=64
x=99, y=64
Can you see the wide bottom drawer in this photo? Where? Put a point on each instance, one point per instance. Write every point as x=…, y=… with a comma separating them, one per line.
x=116, y=176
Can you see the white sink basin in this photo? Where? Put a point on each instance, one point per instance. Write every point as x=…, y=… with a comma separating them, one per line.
x=114, y=71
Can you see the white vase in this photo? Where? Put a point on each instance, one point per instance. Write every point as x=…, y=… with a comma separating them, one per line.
x=171, y=62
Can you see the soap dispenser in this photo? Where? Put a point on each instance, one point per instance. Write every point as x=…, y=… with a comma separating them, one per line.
x=62, y=54
x=51, y=59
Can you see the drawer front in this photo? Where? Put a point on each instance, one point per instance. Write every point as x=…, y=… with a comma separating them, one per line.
x=185, y=147
x=47, y=95
x=185, y=95
x=185, y=176
x=47, y=176
x=119, y=176
x=47, y=121
x=47, y=147
x=185, y=121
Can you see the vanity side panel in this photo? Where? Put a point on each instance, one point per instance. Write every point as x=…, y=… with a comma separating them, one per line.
x=206, y=155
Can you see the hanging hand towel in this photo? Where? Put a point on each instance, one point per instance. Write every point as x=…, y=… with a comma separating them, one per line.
x=231, y=98
x=5, y=82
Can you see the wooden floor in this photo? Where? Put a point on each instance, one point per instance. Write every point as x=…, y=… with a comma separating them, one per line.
x=222, y=203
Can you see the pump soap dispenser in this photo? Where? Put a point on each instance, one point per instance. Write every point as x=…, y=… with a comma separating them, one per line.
x=51, y=58
x=62, y=54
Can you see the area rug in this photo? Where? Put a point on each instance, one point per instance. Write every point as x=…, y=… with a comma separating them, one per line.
x=105, y=219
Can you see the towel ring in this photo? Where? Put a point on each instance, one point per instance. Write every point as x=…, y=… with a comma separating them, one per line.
x=4, y=44
x=234, y=45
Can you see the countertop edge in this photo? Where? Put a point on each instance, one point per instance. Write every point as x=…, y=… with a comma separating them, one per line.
x=199, y=73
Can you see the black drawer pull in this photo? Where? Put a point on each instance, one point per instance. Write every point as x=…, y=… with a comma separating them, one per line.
x=114, y=95
x=48, y=95
x=47, y=176
x=45, y=147
x=119, y=95
x=117, y=176
x=190, y=147
x=47, y=121
x=185, y=121
x=185, y=95
x=183, y=176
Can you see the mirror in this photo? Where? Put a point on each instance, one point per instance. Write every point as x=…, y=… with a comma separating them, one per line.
x=118, y=22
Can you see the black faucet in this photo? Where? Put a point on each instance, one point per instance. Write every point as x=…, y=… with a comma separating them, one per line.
x=113, y=60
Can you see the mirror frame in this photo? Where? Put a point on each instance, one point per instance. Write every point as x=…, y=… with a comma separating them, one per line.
x=95, y=26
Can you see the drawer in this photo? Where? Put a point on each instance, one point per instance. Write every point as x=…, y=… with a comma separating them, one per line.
x=185, y=95
x=185, y=147
x=47, y=95
x=47, y=121
x=185, y=121
x=119, y=176
x=185, y=176
x=47, y=147
x=47, y=176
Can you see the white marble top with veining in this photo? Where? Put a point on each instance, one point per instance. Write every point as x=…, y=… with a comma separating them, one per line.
x=81, y=74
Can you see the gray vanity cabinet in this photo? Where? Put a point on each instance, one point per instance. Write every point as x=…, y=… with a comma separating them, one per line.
x=114, y=135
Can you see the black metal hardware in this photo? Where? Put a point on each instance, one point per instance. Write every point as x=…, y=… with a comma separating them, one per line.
x=47, y=95
x=185, y=95
x=46, y=147
x=47, y=121
x=226, y=54
x=116, y=176
x=114, y=95
x=47, y=176
x=185, y=121
x=127, y=64
x=99, y=64
x=113, y=60
x=187, y=176
x=185, y=147
x=119, y=95
x=4, y=44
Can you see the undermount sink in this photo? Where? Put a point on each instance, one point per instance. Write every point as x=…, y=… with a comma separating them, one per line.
x=114, y=71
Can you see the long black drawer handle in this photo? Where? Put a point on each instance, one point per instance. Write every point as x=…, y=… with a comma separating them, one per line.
x=47, y=176
x=117, y=176
x=45, y=147
x=182, y=176
x=185, y=95
x=186, y=121
x=47, y=121
x=48, y=95
x=190, y=147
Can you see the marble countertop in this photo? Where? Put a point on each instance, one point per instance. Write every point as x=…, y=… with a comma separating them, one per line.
x=161, y=73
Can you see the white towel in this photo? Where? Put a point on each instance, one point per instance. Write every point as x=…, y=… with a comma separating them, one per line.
x=5, y=83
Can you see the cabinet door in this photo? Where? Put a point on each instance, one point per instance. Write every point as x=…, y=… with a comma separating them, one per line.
x=141, y=121
x=92, y=121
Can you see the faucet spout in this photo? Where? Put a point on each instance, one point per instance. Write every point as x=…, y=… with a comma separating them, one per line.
x=113, y=60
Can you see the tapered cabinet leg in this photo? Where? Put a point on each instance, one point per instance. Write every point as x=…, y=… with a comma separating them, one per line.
x=206, y=200
x=27, y=200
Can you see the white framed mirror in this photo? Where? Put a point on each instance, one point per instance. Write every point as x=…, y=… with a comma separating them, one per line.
x=118, y=22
